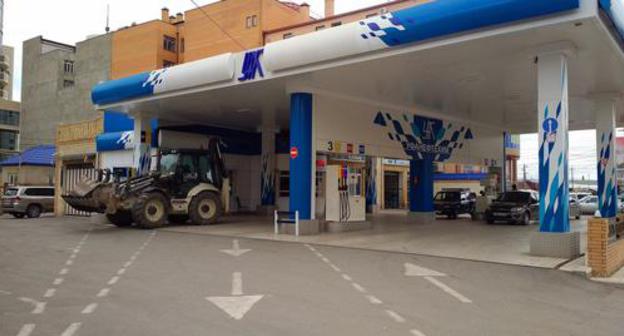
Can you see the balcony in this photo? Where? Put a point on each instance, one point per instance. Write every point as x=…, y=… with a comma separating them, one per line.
x=4, y=63
x=4, y=80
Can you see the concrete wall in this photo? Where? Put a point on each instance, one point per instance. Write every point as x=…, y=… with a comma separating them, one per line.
x=29, y=175
x=46, y=100
x=7, y=90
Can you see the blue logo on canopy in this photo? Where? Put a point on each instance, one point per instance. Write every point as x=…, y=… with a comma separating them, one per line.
x=550, y=125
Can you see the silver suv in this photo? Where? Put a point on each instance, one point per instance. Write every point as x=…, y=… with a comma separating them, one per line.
x=28, y=201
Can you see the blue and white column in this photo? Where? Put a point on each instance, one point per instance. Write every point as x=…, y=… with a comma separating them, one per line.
x=421, y=189
x=606, y=161
x=554, y=239
x=268, y=162
x=302, y=155
x=142, y=141
x=553, y=142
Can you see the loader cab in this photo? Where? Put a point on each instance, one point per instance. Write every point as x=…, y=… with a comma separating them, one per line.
x=189, y=167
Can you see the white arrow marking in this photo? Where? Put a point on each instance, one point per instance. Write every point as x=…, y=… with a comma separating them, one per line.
x=418, y=271
x=429, y=275
x=237, y=305
x=39, y=306
x=235, y=251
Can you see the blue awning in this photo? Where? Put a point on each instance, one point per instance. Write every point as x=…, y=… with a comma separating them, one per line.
x=36, y=156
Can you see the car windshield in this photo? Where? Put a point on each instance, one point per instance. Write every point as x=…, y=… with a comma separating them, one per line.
x=168, y=163
x=10, y=192
x=447, y=196
x=514, y=197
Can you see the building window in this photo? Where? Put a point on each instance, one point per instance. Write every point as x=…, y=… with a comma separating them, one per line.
x=251, y=21
x=167, y=64
x=68, y=83
x=336, y=24
x=169, y=43
x=320, y=27
x=371, y=15
x=8, y=140
x=68, y=67
x=284, y=183
x=288, y=35
x=9, y=118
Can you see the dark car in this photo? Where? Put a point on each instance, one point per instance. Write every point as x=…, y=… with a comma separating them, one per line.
x=454, y=202
x=513, y=207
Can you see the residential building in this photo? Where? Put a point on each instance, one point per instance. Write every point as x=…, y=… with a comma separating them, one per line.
x=331, y=20
x=35, y=166
x=9, y=128
x=56, y=84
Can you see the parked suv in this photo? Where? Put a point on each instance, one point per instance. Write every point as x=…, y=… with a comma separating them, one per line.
x=514, y=207
x=28, y=201
x=454, y=202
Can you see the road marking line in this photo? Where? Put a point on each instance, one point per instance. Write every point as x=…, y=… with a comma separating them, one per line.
x=396, y=317
x=325, y=260
x=335, y=268
x=64, y=271
x=127, y=264
x=3, y=292
x=77, y=250
x=71, y=330
x=448, y=289
x=49, y=292
x=58, y=281
x=113, y=280
x=69, y=262
x=416, y=332
x=373, y=299
x=26, y=330
x=121, y=271
x=73, y=256
x=358, y=287
x=39, y=308
x=103, y=292
x=237, y=284
x=346, y=277
x=89, y=308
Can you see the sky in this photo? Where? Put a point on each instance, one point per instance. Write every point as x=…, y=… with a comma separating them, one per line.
x=70, y=21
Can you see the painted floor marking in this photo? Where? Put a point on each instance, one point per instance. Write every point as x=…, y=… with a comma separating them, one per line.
x=113, y=280
x=430, y=275
x=64, y=271
x=416, y=332
x=237, y=305
x=121, y=271
x=90, y=308
x=26, y=330
x=395, y=316
x=39, y=306
x=373, y=299
x=58, y=281
x=71, y=330
x=49, y=293
x=69, y=262
x=3, y=292
x=448, y=290
x=103, y=292
x=128, y=264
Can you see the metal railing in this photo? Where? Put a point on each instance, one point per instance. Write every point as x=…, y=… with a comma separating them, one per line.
x=285, y=217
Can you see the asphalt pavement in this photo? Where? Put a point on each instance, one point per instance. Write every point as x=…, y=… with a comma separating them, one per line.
x=68, y=276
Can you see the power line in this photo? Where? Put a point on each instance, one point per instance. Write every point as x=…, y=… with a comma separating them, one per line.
x=216, y=24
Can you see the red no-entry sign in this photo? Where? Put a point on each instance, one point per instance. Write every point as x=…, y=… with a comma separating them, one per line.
x=294, y=152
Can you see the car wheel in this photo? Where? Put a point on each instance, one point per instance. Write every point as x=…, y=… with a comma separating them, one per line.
x=120, y=218
x=33, y=211
x=150, y=210
x=18, y=215
x=526, y=219
x=205, y=209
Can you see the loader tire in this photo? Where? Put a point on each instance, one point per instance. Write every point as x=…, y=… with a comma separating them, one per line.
x=120, y=218
x=150, y=210
x=205, y=208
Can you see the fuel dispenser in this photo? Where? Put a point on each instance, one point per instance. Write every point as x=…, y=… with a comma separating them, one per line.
x=344, y=193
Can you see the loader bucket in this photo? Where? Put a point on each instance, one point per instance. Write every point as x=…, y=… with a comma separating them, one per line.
x=89, y=196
